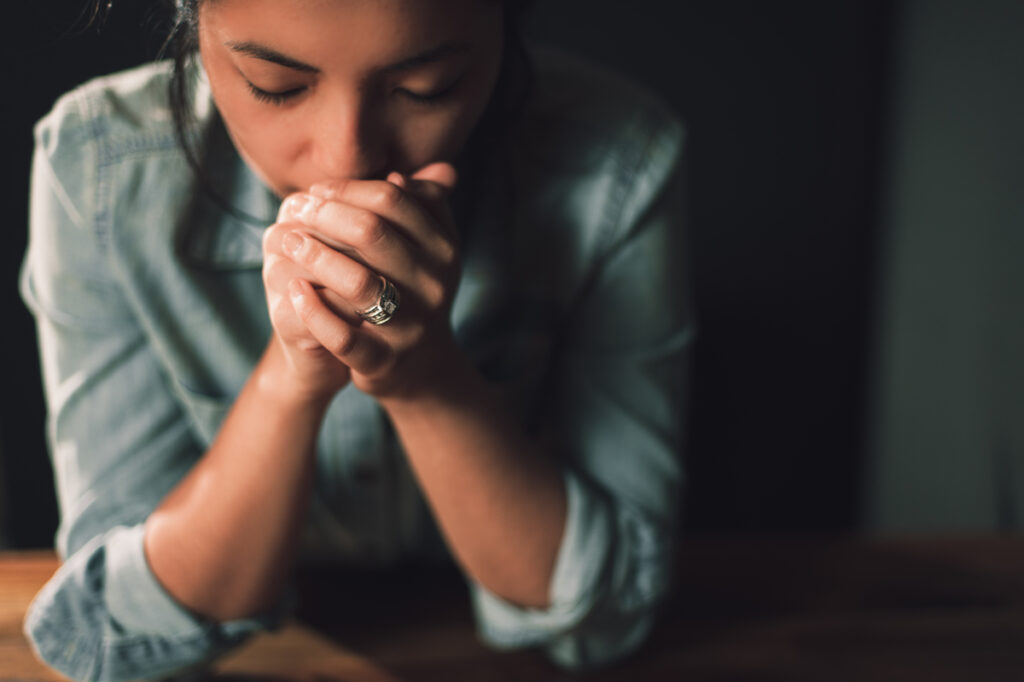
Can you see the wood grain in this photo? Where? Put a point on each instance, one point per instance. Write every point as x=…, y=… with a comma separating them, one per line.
x=937, y=609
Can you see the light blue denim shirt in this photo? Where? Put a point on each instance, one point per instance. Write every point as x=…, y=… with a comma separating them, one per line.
x=151, y=314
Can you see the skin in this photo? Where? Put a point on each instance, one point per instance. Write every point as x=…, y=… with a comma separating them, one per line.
x=365, y=177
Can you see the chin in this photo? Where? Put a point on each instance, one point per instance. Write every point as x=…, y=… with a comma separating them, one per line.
x=280, y=190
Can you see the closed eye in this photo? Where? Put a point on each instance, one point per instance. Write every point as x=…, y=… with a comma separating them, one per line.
x=433, y=98
x=277, y=98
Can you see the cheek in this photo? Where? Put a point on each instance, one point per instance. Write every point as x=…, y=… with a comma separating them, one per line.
x=268, y=139
x=420, y=140
x=427, y=137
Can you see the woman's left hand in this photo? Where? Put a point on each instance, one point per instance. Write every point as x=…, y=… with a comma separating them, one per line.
x=347, y=233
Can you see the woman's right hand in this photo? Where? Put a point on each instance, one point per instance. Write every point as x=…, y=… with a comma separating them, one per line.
x=310, y=371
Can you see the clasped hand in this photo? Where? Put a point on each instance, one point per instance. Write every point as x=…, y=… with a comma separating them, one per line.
x=322, y=263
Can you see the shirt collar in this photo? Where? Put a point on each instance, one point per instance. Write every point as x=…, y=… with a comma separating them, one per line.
x=233, y=208
x=232, y=205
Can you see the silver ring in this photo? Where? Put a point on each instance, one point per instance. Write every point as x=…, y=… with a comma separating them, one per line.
x=386, y=305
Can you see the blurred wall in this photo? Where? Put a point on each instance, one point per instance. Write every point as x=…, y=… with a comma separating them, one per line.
x=947, y=431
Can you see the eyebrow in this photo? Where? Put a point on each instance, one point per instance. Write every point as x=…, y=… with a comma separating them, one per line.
x=435, y=54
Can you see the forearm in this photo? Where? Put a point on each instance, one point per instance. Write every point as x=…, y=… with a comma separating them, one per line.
x=499, y=501
x=223, y=541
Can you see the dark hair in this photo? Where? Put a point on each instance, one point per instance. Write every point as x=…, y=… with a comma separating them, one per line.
x=513, y=87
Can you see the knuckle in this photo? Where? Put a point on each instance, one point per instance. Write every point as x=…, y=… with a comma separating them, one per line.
x=279, y=308
x=274, y=267
x=362, y=286
x=368, y=228
x=433, y=293
x=270, y=267
x=301, y=308
x=385, y=195
x=306, y=344
x=447, y=253
x=272, y=237
x=341, y=343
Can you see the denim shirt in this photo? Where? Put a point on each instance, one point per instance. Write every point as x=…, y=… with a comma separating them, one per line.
x=151, y=314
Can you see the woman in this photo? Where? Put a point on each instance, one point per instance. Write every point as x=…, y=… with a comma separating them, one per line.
x=464, y=332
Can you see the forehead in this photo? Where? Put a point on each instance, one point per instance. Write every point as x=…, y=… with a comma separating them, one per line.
x=349, y=33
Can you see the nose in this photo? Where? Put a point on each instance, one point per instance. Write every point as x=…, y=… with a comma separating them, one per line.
x=346, y=143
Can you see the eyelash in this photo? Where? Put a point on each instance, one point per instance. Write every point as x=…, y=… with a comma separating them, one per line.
x=280, y=98
x=276, y=98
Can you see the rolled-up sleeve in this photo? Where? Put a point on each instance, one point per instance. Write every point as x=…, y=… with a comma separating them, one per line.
x=616, y=411
x=118, y=438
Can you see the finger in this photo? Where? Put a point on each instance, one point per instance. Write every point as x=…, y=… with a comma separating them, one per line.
x=433, y=188
x=337, y=305
x=396, y=178
x=361, y=352
x=329, y=330
x=433, y=185
x=279, y=268
x=416, y=212
x=434, y=198
x=363, y=235
x=439, y=173
x=355, y=283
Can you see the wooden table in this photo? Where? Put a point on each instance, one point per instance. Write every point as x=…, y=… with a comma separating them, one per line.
x=754, y=610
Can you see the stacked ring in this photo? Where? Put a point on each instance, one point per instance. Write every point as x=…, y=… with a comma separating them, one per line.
x=387, y=303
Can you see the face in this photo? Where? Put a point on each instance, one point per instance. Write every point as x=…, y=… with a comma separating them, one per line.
x=315, y=90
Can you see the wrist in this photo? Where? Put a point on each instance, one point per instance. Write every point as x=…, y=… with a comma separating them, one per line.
x=448, y=378
x=277, y=383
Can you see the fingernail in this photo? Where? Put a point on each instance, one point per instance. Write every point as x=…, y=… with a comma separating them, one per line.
x=396, y=178
x=302, y=207
x=288, y=207
x=292, y=243
x=295, y=290
x=323, y=190
x=307, y=213
x=293, y=204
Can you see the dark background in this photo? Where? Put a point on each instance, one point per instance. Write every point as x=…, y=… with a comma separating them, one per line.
x=788, y=106
x=783, y=103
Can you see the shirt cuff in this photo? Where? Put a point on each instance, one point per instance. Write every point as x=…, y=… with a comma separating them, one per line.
x=103, y=615
x=576, y=583
x=139, y=603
